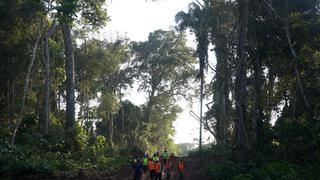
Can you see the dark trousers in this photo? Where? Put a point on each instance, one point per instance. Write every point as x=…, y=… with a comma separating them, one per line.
x=164, y=161
x=158, y=176
x=152, y=174
x=180, y=175
x=168, y=174
x=137, y=175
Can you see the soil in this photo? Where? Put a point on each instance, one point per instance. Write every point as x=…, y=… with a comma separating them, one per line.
x=192, y=172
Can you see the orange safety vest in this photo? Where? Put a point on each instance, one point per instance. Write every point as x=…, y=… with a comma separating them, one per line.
x=158, y=167
x=181, y=166
x=151, y=165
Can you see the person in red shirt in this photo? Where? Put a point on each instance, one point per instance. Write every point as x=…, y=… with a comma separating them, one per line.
x=158, y=170
x=152, y=168
x=181, y=167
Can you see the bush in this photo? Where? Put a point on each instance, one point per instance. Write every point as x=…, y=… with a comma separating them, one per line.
x=46, y=155
x=111, y=164
x=223, y=170
x=278, y=170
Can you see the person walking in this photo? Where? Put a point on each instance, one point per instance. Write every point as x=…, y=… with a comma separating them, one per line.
x=165, y=156
x=145, y=164
x=168, y=167
x=181, y=167
x=152, y=168
x=158, y=170
x=137, y=167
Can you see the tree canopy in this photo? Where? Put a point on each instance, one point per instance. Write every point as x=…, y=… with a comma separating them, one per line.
x=63, y=103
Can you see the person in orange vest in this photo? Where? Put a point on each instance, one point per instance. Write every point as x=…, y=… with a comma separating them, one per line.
x=181, y=167
x=158, y=170
x=152, y=168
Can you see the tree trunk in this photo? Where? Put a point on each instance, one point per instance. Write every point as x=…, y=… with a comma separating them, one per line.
x=150, y=103
x=46, y=61
x=70, y=97
x=25, y=89
x=242, y=146
x=110, y=130
x=122, y=117
x=257, y=110
x=201, y=103
x=221, y=90
x=45, y=121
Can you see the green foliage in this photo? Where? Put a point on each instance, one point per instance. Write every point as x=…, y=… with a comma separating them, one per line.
x=66, y=153
x=278, y=170
x=92, y=13
x=184, y=149
x=225, y=170
x=111, y=164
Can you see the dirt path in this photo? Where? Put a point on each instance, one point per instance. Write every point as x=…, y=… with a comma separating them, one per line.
x=192, y=171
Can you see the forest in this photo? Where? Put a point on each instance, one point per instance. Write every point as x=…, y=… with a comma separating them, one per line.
x=63, y=109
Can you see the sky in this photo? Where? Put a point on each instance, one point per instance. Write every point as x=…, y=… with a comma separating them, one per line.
x=135, y=19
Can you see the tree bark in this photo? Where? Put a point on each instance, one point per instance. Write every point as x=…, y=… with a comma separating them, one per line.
x=45, y=122
x=110, y=130
x=257, y=110
x=150, y=103
x=242, y=146
x=25, y=89
x=69, y=65
x=122, y=116
x=221, y=90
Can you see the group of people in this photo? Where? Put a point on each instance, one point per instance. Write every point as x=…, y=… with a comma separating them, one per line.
x=153, y=166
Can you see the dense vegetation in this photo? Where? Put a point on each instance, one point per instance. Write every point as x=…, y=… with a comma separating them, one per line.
x=61, y=97
x=264, y=112
x=62, y=105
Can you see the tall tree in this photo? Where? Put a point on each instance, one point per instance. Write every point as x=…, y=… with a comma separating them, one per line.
x=165, y=67
x=70, y=98
x=213, y=21
x=164, y=63
x=46, y=61
x=242, y=146
x=94, y=16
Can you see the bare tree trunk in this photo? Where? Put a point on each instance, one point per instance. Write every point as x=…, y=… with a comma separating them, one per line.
x=70, y=99
x=45, y=122
x=110, y=130
x=122, y=117
x=150, y=104
x=81, y=110
x=201, y=103
x=257, y=119
x=25, y=88
x=242, y=146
